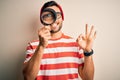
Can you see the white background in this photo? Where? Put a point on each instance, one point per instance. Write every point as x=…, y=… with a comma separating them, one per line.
x=19, y=21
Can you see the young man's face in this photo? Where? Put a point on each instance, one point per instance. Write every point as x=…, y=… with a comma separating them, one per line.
x=57, y=25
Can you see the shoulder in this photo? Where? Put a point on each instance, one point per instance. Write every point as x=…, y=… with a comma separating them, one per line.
x=32, y=44
x=67, y=37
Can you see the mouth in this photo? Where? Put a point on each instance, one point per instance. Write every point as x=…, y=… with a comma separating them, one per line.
x=54, y=27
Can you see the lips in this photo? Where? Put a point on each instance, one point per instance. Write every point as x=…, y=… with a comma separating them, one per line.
x=55, y=25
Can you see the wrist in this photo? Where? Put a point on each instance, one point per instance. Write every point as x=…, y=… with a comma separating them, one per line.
x=88, y=52
x=87, y=49
x=40, y=48
x=41, y=45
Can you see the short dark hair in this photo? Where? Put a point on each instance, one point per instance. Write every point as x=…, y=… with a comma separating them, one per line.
x=52, y=3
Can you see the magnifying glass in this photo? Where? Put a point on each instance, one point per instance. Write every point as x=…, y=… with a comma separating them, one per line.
x=48, y=16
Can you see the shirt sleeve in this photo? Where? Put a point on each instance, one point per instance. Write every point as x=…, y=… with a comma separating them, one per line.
x=29, y=52
x=81, y=57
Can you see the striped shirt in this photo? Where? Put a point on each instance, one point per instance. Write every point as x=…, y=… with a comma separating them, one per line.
x=60, y=61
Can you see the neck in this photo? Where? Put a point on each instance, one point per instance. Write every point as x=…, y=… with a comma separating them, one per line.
x=56, y=35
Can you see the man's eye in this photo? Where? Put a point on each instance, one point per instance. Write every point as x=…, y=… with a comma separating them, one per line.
x=48, y=15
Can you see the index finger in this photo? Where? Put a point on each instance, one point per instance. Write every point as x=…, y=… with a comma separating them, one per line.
x=86, y=29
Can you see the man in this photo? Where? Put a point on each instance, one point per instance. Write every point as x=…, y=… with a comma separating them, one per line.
x=56, y=56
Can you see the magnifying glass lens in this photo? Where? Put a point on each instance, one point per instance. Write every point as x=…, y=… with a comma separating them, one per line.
x=48, y=17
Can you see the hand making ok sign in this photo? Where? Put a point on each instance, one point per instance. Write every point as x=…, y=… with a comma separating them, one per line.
x=86, y=40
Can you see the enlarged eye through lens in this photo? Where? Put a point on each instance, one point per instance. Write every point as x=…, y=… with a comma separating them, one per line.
x=48, y=16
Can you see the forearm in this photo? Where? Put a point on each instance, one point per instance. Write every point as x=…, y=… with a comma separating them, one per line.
x=88, y=69
x=31, y=68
